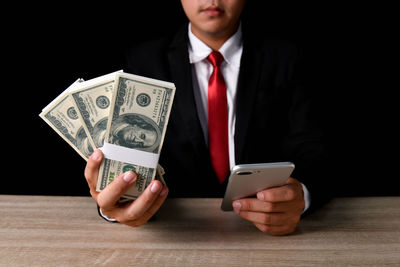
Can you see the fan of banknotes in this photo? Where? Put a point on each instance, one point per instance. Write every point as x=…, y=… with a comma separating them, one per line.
x=126, y=112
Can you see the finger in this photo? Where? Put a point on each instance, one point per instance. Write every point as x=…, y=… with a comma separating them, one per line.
x=143, y=203
x=254, y=204
x=287, y=192
x=156, y=205
x=278, y=218
x=276, y=229
x=92, y=170
x=109, y=196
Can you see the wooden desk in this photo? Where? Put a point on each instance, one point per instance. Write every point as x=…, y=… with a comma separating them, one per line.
x=66, y=231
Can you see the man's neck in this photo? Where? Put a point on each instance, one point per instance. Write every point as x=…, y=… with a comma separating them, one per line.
x=214, y=40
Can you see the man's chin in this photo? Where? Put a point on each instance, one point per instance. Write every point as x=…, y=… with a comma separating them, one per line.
x=216, y=27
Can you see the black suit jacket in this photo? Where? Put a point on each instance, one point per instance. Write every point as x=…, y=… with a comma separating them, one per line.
x=273, y=119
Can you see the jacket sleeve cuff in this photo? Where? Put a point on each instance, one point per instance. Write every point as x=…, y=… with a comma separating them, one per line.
x=105, y=217
x=307, y=198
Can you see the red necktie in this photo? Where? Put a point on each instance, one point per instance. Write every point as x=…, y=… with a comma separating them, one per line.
x=218, y=118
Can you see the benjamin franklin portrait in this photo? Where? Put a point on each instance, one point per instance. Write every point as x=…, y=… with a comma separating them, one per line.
x=99, y=132
x=82, y=142
x=135, y=131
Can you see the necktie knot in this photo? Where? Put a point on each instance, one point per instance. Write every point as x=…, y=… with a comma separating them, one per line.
x=215, y=58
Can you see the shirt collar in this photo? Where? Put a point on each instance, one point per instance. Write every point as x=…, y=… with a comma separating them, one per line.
x=231, y=49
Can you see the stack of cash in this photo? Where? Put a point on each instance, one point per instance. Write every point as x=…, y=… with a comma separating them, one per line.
x=120, y=110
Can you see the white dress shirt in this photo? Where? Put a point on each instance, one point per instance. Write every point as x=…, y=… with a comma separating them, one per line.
x=231, y=50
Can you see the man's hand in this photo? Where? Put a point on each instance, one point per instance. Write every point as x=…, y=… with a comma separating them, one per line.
x=133, y=213
x=276, y=210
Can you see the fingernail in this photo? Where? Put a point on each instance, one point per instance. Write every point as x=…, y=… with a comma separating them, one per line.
x=96, y=155
x=237, y=205
x=260, y=196
x=155, y=187
x=129, y=177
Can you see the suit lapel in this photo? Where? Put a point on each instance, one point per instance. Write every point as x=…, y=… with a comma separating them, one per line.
x=178, y=58
x=250, y=69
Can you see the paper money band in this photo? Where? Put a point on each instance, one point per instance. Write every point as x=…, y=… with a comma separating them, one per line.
x=130, y=155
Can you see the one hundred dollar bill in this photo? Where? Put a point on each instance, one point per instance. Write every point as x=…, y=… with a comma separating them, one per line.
x=62, y=116
x=80, y=114
x=138, y=119
x=92, y=100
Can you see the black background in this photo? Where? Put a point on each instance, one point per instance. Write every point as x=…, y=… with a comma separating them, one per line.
x=351, y=49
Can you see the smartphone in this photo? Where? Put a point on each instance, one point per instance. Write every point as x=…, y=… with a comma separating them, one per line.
x=248, y=179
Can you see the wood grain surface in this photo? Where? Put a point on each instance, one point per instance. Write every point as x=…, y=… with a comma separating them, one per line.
x=67, y=231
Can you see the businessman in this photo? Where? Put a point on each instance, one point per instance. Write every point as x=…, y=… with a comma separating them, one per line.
x=240, y=98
